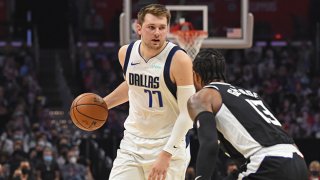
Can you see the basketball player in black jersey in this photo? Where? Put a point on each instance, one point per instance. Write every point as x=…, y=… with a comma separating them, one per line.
x=244, y=125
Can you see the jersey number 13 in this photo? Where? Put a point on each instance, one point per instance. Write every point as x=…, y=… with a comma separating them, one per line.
x=263, y=111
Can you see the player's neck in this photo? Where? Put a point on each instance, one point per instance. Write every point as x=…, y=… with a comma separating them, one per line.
x=218, y=80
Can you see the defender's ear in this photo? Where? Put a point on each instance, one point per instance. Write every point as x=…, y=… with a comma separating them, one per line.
x=197, y=81
x=196, y=77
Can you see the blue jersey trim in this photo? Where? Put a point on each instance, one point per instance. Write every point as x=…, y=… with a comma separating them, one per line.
x=126, y=61
x=166, y=73
x=188, y=139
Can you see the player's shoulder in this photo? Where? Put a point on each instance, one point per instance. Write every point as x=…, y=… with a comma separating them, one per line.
x=181, y=57
x=123, y=49
x=181, y=53
x=209, y=99
x=122, y=54
x=207, y=94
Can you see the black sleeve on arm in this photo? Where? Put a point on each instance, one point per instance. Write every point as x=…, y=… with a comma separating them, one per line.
x=209, y=148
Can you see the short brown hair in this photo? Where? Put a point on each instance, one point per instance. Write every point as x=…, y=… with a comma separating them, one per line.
x=154, y=9
x=314, y=165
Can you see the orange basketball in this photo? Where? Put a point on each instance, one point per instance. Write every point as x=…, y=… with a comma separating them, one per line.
x=89, y=111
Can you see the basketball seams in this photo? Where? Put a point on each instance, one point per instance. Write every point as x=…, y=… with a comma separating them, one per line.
x=74, y=114
x=92, y=105
x=87, y=94
x=85, y=114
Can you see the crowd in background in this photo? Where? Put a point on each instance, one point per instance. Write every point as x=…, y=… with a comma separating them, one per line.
x=33, y=146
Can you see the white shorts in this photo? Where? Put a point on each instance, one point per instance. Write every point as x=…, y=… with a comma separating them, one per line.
x=137, y=155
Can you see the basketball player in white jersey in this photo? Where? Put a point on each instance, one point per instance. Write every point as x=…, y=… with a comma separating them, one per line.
x=245, y=126
x=158, y=83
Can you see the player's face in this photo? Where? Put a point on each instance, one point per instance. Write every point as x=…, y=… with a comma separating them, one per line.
x=153, y=31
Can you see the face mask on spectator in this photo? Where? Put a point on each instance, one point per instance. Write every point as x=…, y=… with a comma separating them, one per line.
x=73, y=160
x=77, y=153
x=16, y=178
x=17, y=136
x=48, y=158
x=315, y=173
x=41, y=143
x=25, y=171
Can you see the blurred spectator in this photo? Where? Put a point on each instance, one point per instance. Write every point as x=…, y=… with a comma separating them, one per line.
x=24, y=171
x=73, y=170
x=314, y=169
x=6, y=144
x=48, y=168
x=63, y=148
x=3, y=174
x=17, y=157
x=231, y=168
x=87, y=164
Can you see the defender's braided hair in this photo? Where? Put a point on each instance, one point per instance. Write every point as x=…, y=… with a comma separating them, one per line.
x=210, y=65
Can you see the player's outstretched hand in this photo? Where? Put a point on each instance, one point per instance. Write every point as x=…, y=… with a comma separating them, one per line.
x=160, y=167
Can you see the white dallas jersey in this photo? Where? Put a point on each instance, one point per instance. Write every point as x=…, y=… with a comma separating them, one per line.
x=153, y=106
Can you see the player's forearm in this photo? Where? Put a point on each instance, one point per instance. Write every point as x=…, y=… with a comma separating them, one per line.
x=208, y=150
x=206, y=160
x=118, y=96
x=183, y=122
x=179, y=131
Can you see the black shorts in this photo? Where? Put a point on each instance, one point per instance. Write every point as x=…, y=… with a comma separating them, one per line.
x=280, y=168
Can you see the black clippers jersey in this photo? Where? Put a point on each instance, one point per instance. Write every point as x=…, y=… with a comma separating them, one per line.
x=245, y=123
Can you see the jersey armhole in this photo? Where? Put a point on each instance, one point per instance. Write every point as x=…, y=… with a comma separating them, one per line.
x=213, y=87
x=126, y=61
x=166, y=72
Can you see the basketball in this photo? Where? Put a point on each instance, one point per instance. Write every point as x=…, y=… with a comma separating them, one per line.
x=89, y=111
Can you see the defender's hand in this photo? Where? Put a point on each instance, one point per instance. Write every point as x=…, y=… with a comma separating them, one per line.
x=160, y=166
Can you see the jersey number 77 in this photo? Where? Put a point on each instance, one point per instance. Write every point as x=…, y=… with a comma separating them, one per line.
x=154, y=94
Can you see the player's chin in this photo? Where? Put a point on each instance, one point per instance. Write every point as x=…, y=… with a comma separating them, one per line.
x=156, y=44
